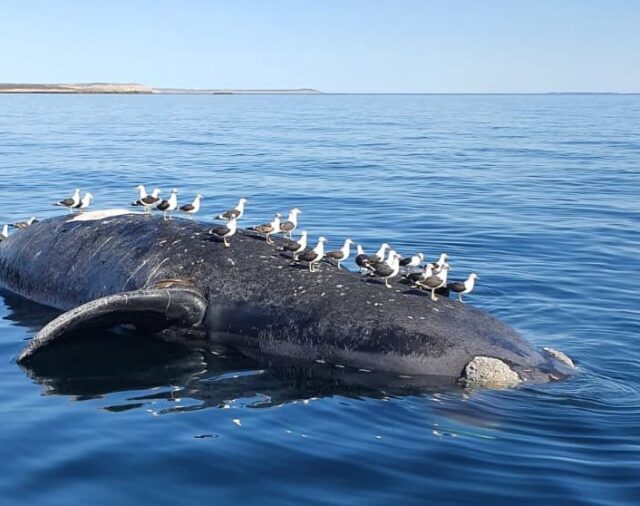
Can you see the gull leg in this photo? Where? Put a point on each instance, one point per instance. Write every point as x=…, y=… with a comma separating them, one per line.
x=460, y=297
x=225, y=242
x=433, y=294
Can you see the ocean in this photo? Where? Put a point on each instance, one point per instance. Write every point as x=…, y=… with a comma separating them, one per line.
x=538, y=194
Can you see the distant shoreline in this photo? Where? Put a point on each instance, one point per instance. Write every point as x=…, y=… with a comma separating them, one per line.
x=139, y=89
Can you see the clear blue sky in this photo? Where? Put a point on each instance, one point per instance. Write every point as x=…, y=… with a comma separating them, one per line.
x=332, y=45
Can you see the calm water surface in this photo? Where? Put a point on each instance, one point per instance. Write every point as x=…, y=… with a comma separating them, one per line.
x=538, y=194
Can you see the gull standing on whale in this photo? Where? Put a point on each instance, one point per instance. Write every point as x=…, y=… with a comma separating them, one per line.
x=378, y=256
x=143, y=194
x=342, y=254
x=296, y=247
x=440, y=263
x=24, y=224
x=168, y=206
x=435, y=281
x=362, y=259
x=224, y=232
x=389, y=268
x=463, y=287
x=85, y=202
x=416, y=277
x=412, y=261
x=194, y=207
x=269, y=228
x=147, y=201
x=235, y=212
x=288, y=226
x=313, y=256
x=70, y=202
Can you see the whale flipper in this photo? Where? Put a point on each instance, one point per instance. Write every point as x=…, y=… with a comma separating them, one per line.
x=150, y=309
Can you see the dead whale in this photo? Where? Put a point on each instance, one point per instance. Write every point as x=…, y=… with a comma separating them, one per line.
x=172, y=279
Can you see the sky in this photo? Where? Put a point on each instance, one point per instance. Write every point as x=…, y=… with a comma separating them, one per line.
x=368, y=46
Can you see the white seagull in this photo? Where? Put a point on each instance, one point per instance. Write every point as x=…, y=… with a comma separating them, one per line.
x=463, y=287
x=168, y=206
x=269, y=228
x=313, y=256
x=70, y=202
x=296, y=247
x=342, y=254
x=224, y=232
x=235, y=212
x=194, y=207
x=288, y=226
x=85, y=202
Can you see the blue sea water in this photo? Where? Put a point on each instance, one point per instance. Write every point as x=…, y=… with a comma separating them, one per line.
x=537, y=194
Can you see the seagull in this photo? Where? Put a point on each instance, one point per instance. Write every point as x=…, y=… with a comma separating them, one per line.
x=378, y=256
x=290, y=225
x=147, y=201
x=194, y=207
x=70, y=202
x=296, y=247
x=412, y=261
x=85, y=202
x=415, y=277
x=235, y=212
x=224, y=232
x=313, y=256
x=24, y=224
x=362, y=259
x=435, y=281
x=342, y=254
x=269, y=228
x=442, y=261
x=143, y=195
x=5, y=232
x=463, y=287
x=383, y=260
x=167, y=206
x=389, y=268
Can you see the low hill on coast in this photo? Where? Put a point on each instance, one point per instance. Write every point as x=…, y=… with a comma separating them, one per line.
x=133, y=88
x=75, y=88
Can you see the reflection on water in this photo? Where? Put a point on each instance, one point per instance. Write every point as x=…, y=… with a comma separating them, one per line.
x=209, y=376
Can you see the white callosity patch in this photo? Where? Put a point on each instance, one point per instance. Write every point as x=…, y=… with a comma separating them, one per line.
x=488, y=372
x=558, y=355
x=101, y=215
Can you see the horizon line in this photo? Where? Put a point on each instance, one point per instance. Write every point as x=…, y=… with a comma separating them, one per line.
x=136, y=88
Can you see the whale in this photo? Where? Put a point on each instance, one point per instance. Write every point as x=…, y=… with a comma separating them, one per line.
x=176, y=282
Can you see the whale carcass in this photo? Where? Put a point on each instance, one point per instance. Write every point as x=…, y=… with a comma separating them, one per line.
x=171, y=278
